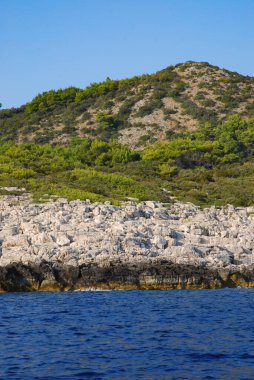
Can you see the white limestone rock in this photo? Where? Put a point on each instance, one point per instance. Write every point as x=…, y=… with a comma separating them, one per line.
x=80, y=232
x=62, y=240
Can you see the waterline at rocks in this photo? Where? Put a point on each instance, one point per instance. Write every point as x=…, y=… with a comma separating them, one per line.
x=63, y=245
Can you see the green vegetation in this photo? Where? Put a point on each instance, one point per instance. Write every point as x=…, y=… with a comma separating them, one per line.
x=84, y=169
x=74, y=111
x=209, y=166
x=148, y=108
x=65, y=142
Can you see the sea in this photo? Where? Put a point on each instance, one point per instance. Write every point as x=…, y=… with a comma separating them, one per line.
x=176, y=334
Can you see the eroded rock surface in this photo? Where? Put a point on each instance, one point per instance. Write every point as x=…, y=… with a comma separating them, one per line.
x=73, y=245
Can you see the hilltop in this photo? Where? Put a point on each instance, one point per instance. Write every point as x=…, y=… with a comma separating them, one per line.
x=135, y=111
x=186, y=132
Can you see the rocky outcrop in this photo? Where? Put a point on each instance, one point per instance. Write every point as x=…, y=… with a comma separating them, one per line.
x=159, y=274
x=63, y=245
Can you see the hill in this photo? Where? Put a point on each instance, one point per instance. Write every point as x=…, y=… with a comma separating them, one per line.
x=134, y=111
x=186, y=132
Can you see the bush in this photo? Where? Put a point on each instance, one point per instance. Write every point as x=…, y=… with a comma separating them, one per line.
x=149, y=107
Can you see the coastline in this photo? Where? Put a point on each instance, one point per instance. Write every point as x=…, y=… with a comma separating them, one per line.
x=116, y=276
x=79, y=245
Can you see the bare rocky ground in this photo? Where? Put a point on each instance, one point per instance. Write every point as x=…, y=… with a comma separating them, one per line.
x=61, y=245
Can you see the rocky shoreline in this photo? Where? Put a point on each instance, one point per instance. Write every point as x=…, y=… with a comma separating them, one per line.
x=79, y=245
x=160, y=275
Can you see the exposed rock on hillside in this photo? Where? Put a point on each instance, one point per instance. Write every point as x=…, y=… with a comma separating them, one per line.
x=136, y=110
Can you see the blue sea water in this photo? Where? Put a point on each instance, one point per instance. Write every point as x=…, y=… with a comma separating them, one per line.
x=201, y=334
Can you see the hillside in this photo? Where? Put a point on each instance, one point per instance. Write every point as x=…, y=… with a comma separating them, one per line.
x=185, y=132
x=135, y=111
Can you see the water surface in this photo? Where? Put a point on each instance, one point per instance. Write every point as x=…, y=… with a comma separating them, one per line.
x=201, y=334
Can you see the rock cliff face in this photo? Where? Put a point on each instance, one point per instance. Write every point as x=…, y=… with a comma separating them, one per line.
x=64, y=245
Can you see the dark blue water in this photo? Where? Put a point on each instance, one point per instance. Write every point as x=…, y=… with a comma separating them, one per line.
x=206, y=334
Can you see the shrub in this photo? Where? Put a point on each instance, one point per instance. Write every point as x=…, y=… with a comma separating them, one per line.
x=149, y=107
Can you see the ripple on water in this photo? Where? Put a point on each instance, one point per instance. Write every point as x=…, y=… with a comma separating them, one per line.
x=206, y=334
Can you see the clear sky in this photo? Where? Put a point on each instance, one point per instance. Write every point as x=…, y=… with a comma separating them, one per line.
x=51, y=44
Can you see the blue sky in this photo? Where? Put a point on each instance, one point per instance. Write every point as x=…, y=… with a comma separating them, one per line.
x=51, y=44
